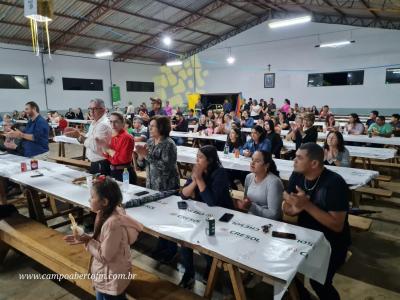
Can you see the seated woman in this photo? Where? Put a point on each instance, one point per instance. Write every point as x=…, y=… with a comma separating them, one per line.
x=209, y=184
x=335, y=152
x=275, y=138
x=308, y=132
x=120, y=151
x=234, y=140
x=355, y=127
x=330, y=124
x=263, y=188
x=202, y=124
x=258, y=141
x=235, y=143
x=282, y=121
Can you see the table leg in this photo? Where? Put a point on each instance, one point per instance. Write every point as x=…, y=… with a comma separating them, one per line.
x=237, y=283
x=212, y=278
x=279, y=290
x=34, y=206
x=3, y=190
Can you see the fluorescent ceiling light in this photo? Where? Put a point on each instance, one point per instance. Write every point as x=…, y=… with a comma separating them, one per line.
x=230, y=60
x=167, y=40
x=103, y=54
x=335, y=44
x=174, y=63
x=289, y=22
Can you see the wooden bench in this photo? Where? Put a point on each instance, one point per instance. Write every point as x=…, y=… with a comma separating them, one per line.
x=84, y=164
x=375, y=192
x=355, y=222
x=381, y=178
x=46, y=246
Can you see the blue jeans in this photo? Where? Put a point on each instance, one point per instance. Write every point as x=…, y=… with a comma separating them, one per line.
x=179, y=140
x=102, y=296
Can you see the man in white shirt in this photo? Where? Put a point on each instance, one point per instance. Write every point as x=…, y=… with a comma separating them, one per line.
x=97, y=138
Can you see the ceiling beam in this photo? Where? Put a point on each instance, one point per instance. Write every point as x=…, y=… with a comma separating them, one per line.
x=27, y=42
x=228, y=2
x=108, y=26
x=184, y=22
x=81, y=25
x=87, y=36
x=340, y=12
x=148, y=18
x=319, y=18
x=196, y=13
x=369, y=9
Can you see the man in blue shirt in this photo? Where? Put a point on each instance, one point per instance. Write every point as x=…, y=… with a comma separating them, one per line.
x=35, y=137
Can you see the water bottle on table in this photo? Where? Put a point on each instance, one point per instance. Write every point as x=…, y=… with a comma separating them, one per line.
x=125, y=180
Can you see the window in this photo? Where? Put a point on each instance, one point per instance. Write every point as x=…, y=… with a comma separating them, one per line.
x=14, y=81
x=80, y=84
x=138, y=86
x=392, y=76
x=336, y=78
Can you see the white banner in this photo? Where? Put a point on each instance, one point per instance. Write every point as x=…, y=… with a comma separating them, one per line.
x=242, y=239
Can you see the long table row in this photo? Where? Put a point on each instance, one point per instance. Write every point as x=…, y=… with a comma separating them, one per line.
x=240, y=242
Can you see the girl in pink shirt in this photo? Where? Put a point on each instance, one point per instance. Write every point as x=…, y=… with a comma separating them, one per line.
x=109, y=246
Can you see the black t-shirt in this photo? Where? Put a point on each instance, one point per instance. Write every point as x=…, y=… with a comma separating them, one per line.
x=331, y=193
x=311, y=136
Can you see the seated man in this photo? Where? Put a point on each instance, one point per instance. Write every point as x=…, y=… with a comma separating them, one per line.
x=380, y=128
x=396, y=124
x=181, y=125
x=191, y=118
x=139, y=131
x=35, y=137
x=320, y=199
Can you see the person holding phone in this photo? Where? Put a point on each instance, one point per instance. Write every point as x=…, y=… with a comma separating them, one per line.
x=320, y=198
x=209, y=184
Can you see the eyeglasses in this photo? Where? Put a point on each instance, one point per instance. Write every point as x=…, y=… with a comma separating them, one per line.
x=94, y=108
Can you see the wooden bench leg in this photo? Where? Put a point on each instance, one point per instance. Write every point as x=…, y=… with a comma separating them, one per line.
x=3, y=251
x=356, y=199
x=237, y=283
x=212, y=278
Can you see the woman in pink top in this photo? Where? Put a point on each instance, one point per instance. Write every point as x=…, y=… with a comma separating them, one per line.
x=286, y=106
x=168, y=108
x=109, y=246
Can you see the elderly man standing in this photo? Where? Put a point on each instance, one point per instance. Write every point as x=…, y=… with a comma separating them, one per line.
x=97, y=138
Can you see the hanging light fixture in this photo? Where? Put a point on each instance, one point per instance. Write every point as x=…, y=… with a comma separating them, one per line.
x=39, y=11
x=230, y=59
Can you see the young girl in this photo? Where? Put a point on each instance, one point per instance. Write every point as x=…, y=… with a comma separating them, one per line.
x=210, y=127
x=109, y=246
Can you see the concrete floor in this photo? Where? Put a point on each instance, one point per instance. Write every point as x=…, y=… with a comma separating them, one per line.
x=372, y=273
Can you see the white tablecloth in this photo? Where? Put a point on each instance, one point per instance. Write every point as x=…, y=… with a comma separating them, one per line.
x=66, y=139
x=356, y=151
x=73, y=121
x=359, y=138
x=242, y=239
x=352, y=176
x=196, y=135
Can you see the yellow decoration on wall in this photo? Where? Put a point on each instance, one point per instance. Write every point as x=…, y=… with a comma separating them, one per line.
x=174, y=84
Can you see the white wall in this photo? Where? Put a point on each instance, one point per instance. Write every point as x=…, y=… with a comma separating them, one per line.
x=292, y=56
x=21, y=63
x=75, y=65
